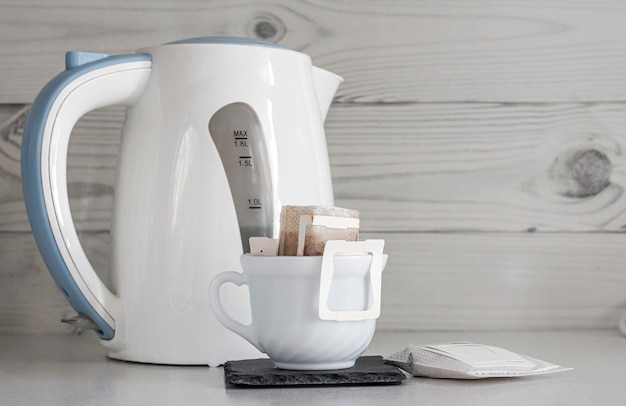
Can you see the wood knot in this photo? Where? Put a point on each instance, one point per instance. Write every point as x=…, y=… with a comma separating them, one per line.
x=267, y=27
x=581, y=173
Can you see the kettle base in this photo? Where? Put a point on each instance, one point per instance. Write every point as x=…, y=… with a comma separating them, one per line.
x=160, y=361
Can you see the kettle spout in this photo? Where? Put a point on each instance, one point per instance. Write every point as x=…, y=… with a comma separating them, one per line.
x=326, y=84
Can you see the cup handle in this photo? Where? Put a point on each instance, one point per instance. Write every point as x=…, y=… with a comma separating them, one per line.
x=218, y=310
x=374, y=247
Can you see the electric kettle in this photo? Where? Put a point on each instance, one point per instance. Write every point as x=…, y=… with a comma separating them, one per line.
x=220, y=132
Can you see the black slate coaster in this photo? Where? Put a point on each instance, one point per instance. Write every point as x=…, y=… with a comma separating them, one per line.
x=370, y=370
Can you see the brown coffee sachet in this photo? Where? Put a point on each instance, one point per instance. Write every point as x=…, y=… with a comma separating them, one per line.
x=304, y=230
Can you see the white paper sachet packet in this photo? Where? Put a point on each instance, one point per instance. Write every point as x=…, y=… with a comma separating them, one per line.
x=465, y=360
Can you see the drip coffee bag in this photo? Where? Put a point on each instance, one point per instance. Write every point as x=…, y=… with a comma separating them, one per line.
x=304, y=230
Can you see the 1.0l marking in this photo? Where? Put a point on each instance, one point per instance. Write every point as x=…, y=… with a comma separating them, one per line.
x=255, y=203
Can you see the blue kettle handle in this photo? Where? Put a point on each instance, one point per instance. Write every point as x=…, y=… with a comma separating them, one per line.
x=82, y=288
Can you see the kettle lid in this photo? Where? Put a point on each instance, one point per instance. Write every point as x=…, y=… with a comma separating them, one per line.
x=228, y=41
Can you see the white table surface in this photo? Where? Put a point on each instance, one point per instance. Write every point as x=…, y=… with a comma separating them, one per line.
x=73, y=370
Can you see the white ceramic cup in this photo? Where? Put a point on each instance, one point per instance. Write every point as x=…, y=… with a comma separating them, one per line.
x=309, y=313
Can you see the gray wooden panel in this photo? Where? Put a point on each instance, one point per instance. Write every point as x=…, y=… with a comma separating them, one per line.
x=12, y=210
x=92, y=160
x=440, y=281
x=393, y=51
x=426, y=167
x=30, y=302
x=481, y=166
x=491, y=281
x=463, y=132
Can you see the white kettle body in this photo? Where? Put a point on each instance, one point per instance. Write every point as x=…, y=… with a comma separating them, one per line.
x=220, y=133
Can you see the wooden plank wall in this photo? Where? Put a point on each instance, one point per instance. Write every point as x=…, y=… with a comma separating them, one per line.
x=483, y=140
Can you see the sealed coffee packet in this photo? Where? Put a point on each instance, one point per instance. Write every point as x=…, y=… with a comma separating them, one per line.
x=466, y=360
x=304, y=230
